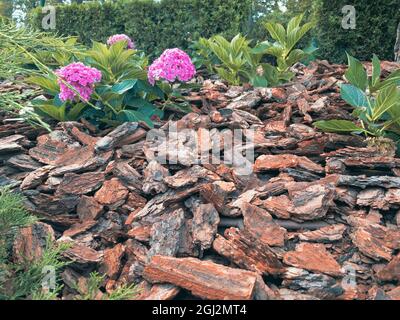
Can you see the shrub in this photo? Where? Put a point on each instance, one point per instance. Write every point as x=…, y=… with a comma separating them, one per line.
x=155, y=25
x=123, y=94
x=238, y=63
x=376, y=105
x=23, y=280
x=375, y=32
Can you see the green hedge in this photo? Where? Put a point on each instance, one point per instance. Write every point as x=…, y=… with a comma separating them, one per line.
x=376, y=23
x=154, y=26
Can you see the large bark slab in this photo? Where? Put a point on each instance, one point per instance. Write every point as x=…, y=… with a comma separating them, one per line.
x=204, y=279
x=247, y=252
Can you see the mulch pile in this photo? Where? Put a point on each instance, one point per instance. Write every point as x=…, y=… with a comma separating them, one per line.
x=317, y=219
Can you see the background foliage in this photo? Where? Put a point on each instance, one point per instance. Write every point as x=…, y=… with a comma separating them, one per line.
x=153, y=25
x=375, y=32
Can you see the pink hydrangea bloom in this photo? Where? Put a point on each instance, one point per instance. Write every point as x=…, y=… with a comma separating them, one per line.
x=171, y=65
x=79, y=76
x=121, y=37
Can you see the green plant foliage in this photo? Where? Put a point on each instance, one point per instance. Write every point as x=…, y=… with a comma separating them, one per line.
x=376, y=102
x=233, y=61
x=27, y=277
x=92, y=289
x=238, y=63
x=18, y=44
x=376, y=23
x=13, y=215
x=124, y=93
x=284, y=47
x=154, y=25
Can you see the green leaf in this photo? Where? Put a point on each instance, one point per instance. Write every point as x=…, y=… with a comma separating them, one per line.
x=354, y=96
x=123, y=86
x=295, y=56
x=277, y=32
x=145, y=107
x=259, y=82
x=376, y=70
x=294, y=23
x=338, y=126
x=48, y=84
x=356, y=73
x=134, y=116
x=261, y=47
x=386, y=99
x=76, y=111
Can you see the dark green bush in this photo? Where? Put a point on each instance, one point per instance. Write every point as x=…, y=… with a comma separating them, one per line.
x=376, y=23
x=154, y=26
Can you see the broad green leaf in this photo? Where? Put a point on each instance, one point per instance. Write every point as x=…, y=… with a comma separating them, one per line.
x=354, y=96
x=277, y=32
x=356, y=73
x=297, y=34
x=123, y=86
x=48, y=84
x=76, y=111
x=376, y=70
x=393, y=78
x=276, y=50
x=145, y=107
x=338, y=126
x=295, y=56
x=134, y=116
x=261, y=47
x=386, y=99
x=294, y=23
x=259, y=82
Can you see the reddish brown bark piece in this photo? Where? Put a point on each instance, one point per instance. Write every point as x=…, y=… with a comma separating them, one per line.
x=83, y=255
x=35, y=178
x=205, y=225
x=204, y=279
x=306, y=201
x=247, y=252
x=277, y=162
x=324, y=234
x=79, y=228
x=394, y=294
x=154, y=175
x=313, y=257
x=80, y=183
x=217, y=193
x=89, y=209
x=23, y=162
x=190, y=176
x=11, y=144
x=391, y=272
x=51, y=147
x=371, y=242
x=163, y=291
x=140, y=231
x=112, y=139
x=31, y=241
x=111, y=193
x=166, y=234
x=262, y=227
x=111, y=264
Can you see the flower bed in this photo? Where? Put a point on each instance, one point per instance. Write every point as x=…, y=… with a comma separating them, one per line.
x=317, y=217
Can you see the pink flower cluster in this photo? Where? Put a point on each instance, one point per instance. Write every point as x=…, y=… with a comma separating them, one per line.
x=79, y=76
x=171, y=65
x=121, y=37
